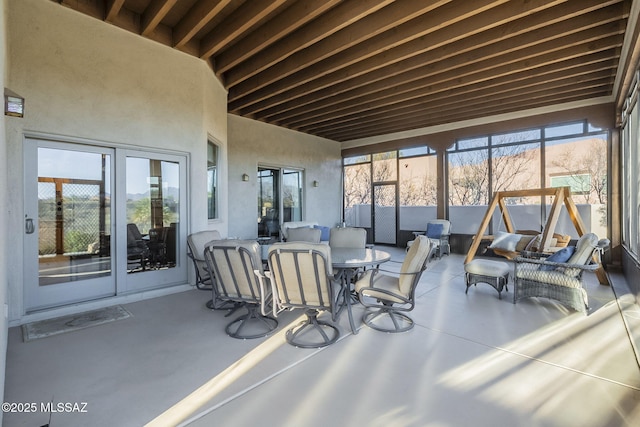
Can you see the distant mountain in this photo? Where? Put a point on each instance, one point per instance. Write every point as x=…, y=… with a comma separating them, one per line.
x=171, y=192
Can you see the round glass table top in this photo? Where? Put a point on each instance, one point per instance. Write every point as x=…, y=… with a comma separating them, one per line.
x=350, y=257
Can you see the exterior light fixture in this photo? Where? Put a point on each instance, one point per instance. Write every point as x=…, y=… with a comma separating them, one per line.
x=316, y=184
x=13, y=104
x=245, y=177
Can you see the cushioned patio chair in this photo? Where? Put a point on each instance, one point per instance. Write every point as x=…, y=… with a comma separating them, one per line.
x=394, y=296
x=348, y=237
x=286, y=226
x=559, y=277
x=196, y=244
x=301, y=277
x=236, y=265
x=438, y=231
x=304, y=234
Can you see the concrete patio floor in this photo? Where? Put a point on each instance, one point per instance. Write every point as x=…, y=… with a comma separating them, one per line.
x=470, y=360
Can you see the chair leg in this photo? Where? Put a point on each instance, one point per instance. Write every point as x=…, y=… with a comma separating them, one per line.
x=401, y=322
x=216, y=303
x=310, y=325
x=231, y=306
x=253, y=320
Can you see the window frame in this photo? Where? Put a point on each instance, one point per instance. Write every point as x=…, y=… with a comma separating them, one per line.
x=213, y=181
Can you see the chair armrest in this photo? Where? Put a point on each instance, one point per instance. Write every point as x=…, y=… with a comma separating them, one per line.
x=267, y=293
x=534, y=255
x=383, y=291
x=395, y=273
x=584, y=267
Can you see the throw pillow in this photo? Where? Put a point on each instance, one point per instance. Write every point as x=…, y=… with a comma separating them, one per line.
x=561, y=256
x=534, y=244
x=524, y=242
x=562, y=240
x=505, y=241
x=324, y=232
x=434, y=231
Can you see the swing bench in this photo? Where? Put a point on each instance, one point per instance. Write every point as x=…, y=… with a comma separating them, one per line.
x=514, y=243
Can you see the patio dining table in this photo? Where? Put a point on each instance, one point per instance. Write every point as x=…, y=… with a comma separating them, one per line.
x=347, y=262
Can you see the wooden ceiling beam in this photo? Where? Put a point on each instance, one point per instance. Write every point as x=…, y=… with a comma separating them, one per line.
x=494, y=67
x=380, y=82
x=483, y=90
x=445, y=87
x=428, y=108
x=443, y=100
x=367, y=37
x=154, y=14
x=501, y=48
x=94, y=8
x=471, y=113
x=457, y=108
x=395, y=46
x=292, y=18
x=452, y=117
x=112, y=9
x=239, y=22
x=552, y=23
x=198, y=16
x=325, y=25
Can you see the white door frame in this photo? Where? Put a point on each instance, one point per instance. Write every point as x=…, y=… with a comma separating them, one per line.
x=38, y=297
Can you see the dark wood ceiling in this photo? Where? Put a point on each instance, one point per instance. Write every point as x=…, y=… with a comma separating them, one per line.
x=355, y=68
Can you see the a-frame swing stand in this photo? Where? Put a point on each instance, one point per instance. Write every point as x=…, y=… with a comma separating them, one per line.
x=562, y=195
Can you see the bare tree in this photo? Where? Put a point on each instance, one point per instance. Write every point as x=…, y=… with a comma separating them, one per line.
x=512, y=168
x=384, y=167
x=469, y=178
x=357, y=185
x=420, y=190
x=586, y=167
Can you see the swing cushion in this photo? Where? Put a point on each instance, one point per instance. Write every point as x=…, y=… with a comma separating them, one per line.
x=505, y=241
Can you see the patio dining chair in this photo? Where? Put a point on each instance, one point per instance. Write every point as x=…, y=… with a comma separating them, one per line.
x=349, y=238
x=304, y=234
x=196, y=243
x=301, y=277
x=387, y=297
x=236, y=265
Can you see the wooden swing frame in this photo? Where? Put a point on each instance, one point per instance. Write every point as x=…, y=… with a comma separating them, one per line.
x=562, y=195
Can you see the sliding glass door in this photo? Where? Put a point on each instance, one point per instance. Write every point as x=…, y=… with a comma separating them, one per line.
x=279, y=199
x=92, y=233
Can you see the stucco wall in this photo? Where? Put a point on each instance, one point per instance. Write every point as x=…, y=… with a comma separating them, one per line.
x=252, y=143
x=84, y=79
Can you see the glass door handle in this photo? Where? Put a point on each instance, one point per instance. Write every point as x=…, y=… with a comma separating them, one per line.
x=28, y=225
